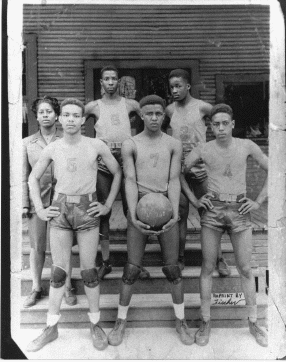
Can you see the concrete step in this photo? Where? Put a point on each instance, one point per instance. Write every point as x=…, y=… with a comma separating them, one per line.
x=146, y=310
x=156, y=284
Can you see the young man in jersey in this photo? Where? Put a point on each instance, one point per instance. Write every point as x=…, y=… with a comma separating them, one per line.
x=152, y=163
x=187, y=119
x=112, y=126
x=229, y=210
x=74, y=209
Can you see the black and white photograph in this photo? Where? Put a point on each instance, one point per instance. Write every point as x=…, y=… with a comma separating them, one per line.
x=147, y=149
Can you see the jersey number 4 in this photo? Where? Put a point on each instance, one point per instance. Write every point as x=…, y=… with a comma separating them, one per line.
x=154, y=157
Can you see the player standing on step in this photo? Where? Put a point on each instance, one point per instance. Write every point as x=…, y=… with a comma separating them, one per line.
x=151, y=163
x=46, y=110
x=112, y=126
x=225, y=159
x=74, y=209
x=187, y=119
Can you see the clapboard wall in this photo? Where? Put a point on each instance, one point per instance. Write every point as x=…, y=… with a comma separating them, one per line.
x=225, y=39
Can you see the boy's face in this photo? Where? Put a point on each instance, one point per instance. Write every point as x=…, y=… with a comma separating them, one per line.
x=153, y=116
x=222, y=125
x=179, y=88
x=71, y=118
x=109, y=81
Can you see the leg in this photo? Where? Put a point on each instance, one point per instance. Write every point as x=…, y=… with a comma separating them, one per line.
x=210, y=238
x=183, y=226
x=38, y=239
x=169, y=242
x=242, y=246
x=88, y=244
x=69, y=296
x=103, y=185
x=135, y=248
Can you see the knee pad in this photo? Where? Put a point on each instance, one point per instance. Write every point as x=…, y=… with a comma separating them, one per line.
x=58, y=276
x=173, y=273
x=130, y=273
x=90, y=277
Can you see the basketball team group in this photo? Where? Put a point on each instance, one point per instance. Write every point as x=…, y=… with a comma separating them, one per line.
x=70, y=183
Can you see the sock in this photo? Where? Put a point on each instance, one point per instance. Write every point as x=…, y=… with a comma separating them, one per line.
x=94, y=317
x=122, y=311
x=206, y=309
x=52, y=319
x=252, y=312
x=179, y=310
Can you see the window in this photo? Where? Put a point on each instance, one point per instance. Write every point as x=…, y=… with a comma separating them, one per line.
x=138, y=79
x=248, y=95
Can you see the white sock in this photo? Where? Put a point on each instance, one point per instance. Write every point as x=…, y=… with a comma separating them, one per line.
x=94, y=317
x=52, y=319
x=122, y=311
x=179, y=310
x=206, y=309
x=252, y=312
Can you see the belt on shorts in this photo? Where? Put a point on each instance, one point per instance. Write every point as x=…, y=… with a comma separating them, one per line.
x=225, y=197
x=73, y=199
x=114, y=144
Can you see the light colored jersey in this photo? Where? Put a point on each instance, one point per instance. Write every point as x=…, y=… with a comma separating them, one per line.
x=113, y=124
x=188, y=126
x=75, y=166
x=226, y=170
x=152, y=164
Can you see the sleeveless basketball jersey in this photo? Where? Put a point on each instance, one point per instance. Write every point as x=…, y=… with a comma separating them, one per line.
x=226, y=170
x=189, y=127
x=113, y=124
x=151, y=161
x=76, y=167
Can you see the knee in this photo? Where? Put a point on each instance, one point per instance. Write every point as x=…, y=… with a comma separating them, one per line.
x=245, y=271
x=130, y=273
x=208, y=267
x=90, y=277
x=58, y=276
x=173, y=273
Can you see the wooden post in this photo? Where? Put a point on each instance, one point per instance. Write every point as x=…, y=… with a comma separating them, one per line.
x=277, y=186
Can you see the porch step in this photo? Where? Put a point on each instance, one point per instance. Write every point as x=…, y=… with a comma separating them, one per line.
x=146, y=310
x=156, y=284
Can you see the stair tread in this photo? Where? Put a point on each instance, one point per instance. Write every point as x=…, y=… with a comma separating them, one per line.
x=155, y=272
x=138, y=301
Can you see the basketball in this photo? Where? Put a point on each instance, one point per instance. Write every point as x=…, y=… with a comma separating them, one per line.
x=155, y=210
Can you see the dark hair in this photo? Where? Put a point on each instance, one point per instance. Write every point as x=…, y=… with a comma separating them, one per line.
x=75, y=101
x=109, y=67
x=221, y=108
x=46, y=99
x=152, y=99
x=180, y=73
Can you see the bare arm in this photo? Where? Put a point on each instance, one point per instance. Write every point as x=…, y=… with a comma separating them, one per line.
x=26, y=169
x=133, y=106
x=34, y=185
x=96, y=208
x=91, y=109
x=169, y=112
x=262, y=159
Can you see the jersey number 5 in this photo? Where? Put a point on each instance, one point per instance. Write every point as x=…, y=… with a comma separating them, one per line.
x=71, y=164
x=155, y=157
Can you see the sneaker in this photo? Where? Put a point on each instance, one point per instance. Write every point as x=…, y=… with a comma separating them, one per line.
x=144, y=274
x=184, y=332
x=257, y=332
x=105, y=268
x=115, y=337
x=181, y=262
x=70, y=297
x=49, y=334
x=98, y=337
x=32, y=298
x=203, y=334
x=222, y=267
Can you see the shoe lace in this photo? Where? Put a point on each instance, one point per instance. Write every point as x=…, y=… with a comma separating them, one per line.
x=203, y=326
x=117, y=324
x=258, y=330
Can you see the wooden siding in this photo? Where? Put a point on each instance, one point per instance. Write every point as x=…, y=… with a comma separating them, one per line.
x=225, y=39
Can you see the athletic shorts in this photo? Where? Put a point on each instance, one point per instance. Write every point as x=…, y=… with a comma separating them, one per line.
x=73, y=214
x=225, y=217
x=38, y=233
